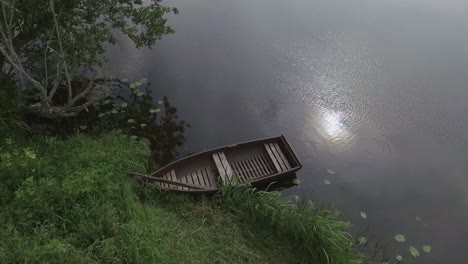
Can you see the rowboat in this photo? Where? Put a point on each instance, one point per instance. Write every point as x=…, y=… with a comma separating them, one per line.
x=257, y=162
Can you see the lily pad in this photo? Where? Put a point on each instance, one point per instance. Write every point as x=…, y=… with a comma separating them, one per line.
x=114, y=111
x=363, y=215
x=83, y=127
x=124, y=105
x=132, y=86
x=400, y=238
x=427, y=248
x=414, y=251
x=160, y=102
x=331, y=172
x=155, y=110
x=130, y=120
x=327, y=182
x=142, y=124
x=139, y=94
x=362, y=240
x=399, y=258
x=124, y=80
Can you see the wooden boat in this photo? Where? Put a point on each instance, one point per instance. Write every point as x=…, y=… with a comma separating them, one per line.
x=255, y=162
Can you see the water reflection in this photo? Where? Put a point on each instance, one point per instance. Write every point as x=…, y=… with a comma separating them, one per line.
x=333, y=127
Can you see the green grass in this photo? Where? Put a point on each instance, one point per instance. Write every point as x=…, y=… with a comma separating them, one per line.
x=70, y=201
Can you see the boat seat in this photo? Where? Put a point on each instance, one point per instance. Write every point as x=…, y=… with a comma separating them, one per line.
x=277, y=157
x=225, y=170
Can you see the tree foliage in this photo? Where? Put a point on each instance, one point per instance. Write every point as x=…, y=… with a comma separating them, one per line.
x=48, y=44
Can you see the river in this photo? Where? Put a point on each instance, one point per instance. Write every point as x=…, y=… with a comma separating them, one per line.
x=377, y=91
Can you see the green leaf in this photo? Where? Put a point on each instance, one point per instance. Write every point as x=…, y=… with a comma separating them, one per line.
x=124, y=105
x=331, y=172
x=400, y=238
x=414, y=251
x=134, y=137
x=139, y=94
x=131, y=120
x=160, y=102
x=124, y=80
x=399, y=258
x=427, y=248
x=362, y=240
x=327, y=182
x=363, y=215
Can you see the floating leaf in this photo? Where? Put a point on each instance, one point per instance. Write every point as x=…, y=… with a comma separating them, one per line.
x=155, y=110
x=296, y=181
x=363, y=215
x=400, y=238
x=124, y=80
x=140, y=94
x=414, y=251
x=101, y=115
x=133, y=137
x=362, y=240
x=418, y=218
x=327, y=182
x=83, y=127
x=427, y=248
x=106, y=101
x=114, y=111
x=124, y=105
x=160, y=102
x=142, y=124
x=132, y=86
x=130, y=120
x=331, y=172
x=399, y=258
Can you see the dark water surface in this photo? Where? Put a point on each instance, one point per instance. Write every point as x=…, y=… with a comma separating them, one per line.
x=375, y=90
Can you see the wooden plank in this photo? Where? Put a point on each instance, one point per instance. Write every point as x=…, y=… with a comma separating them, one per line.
x=247, y=171
x=211, y=178
x=277, y=156
x=263, y=164
x=187, y=185
x=272, y=157
x=239, y=171
x=280, y=152
x=254, y=168
x=201, y=178
x=226, y=165
x=269, y=164
x=263, y=168
x=219, y=165
x=174, y=178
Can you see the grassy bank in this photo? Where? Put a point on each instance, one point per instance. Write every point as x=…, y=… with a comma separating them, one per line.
x=70, y=201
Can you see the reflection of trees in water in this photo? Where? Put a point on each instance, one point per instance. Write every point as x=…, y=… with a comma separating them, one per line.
x=131, y=109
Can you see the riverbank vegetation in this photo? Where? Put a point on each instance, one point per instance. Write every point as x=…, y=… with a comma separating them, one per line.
x=70, y=200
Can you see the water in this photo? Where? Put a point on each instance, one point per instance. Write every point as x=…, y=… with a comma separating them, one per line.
x=375, y=90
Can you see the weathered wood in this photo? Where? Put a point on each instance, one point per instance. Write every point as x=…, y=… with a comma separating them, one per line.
x=227, y=167
x=283, y=158
x=262, y=167
x=277, y=156
x=273, y=158
x=225, y=170
x=174, y=178
x=193, y=186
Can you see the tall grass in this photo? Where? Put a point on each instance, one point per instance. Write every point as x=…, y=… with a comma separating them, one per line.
x=317, y=236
